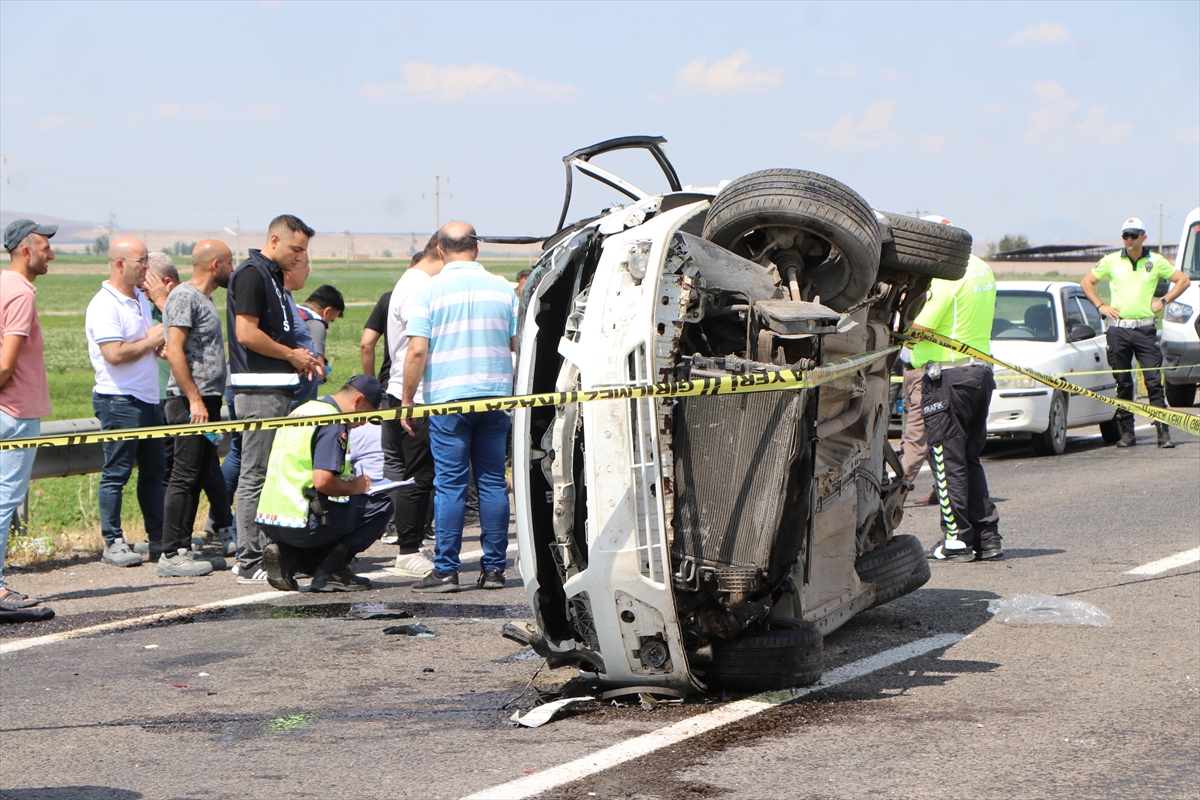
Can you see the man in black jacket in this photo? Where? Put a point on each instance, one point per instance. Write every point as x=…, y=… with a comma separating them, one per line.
x=264, y=369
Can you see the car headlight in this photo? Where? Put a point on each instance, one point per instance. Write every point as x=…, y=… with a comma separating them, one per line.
x=1178, y=312
x=1008, y=379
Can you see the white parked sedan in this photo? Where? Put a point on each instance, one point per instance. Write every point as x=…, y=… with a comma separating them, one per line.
x=1054, y=329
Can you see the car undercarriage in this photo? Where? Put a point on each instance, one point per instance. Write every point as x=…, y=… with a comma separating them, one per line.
x=709, y=542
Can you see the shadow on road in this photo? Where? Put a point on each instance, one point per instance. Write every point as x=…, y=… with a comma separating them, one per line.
x=1030, y=552
x=70, y=793
x=112, y=590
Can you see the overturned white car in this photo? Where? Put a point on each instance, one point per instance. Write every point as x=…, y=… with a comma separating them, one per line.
x=709, y=542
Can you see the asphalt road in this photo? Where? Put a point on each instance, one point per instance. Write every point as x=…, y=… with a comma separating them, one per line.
x=302, y=695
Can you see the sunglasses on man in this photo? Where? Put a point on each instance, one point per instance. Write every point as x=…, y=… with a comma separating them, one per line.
x=1131, y=234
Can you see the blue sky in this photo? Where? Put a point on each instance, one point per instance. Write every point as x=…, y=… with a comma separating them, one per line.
x=1062, y=119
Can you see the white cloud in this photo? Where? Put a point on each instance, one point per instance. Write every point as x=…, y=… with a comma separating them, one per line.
x=890, y=74
x=933, y=142
x=1053, y=110
x=727, y=76
x=265, y=112
x=1041, y=33
x=188, y=111
x=271, y=5
x=874, y=129
x=59, y=124
x=846, y=69
x=1187, y=136
x=1096, y=127
x=456, y=83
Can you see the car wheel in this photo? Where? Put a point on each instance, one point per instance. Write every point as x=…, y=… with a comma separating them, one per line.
x=926, y=248
x=1180, y=395
x=760, y=661
x=760, y=215
x=896, y=569
x=1053, y=441
x=1110, y=431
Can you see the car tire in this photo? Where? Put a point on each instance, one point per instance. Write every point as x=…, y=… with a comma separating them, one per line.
x=1110, y=431
x=1180, y=395
x=808, y=201
x=1053, y=440
x=896, y=569
x=926, y=248
x=760, y=661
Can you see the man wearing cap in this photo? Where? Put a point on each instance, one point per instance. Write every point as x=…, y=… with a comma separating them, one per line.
x=124, y=345
x=955, y=392
x=315, y=512
x=24, y=395
x=1132, y=274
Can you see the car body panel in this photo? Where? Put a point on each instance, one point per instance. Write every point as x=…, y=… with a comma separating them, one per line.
x=1021, y=405
x=1181, y=322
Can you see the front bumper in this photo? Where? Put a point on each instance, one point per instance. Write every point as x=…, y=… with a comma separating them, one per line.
x=1019, y=411
x=1181, y=359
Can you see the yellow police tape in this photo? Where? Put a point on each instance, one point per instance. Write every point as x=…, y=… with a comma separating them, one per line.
x=1187, y=422
x=738, y=384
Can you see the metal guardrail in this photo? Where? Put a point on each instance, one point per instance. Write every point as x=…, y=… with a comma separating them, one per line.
x=80, y=459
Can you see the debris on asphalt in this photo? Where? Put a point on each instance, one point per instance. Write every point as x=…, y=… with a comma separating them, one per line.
x=149, y=646
x=544, y=713
x=384, y=615
x=179, y=685
x=416, y=629
x=1041, y=609
x=664, y=691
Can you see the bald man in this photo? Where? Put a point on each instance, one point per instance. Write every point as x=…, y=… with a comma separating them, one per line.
x=123, y=345
x=196, y=353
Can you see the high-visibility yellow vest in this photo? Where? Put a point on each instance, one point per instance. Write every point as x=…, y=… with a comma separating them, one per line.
x=289, y=484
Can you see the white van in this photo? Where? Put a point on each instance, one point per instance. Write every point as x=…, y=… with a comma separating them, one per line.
x=1181, y=323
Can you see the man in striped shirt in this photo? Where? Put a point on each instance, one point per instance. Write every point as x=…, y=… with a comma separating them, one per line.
x=462, y=328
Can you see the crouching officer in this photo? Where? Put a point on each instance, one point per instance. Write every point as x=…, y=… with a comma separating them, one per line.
x=1132, y=274
x=316, y=514
x=955, y=393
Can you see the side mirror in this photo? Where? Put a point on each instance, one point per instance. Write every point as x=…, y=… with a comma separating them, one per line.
x=1080, y=332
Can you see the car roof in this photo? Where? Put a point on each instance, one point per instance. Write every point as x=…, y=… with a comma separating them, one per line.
x=1035, y=286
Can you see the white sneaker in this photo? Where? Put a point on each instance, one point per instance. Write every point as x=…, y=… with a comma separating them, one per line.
x=256, y=576
x=412, y=565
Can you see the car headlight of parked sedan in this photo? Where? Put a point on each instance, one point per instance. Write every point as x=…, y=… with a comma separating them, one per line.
x=1178, y=312
x=1009, y=379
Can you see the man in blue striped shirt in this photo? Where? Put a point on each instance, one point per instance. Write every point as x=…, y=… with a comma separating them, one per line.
x=462, y=329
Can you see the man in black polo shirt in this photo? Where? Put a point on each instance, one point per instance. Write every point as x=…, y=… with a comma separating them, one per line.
x=264, y=369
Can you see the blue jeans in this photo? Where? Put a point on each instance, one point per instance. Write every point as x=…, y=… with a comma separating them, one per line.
x=116, y=411
x=15, y=467
x=478, y=440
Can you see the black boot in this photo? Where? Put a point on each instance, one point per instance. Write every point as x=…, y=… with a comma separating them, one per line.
x=1128, y=439
x=333, y=573
x=1164, y=436
x=280, y=561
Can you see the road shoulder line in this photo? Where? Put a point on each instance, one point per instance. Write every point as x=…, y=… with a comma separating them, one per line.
x=1168, y=563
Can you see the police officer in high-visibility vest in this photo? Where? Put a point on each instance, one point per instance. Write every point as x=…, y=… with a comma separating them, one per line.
x=955, y=392
x=1132, y=274
x=317, y=515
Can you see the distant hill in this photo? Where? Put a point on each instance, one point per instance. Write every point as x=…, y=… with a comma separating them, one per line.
x=70, y=231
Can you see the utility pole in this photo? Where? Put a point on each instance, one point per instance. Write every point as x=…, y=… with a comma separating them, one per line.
x=3, y=164
x=918, y=213
x=349, y=244
x=1160, y=215
x=437, y=200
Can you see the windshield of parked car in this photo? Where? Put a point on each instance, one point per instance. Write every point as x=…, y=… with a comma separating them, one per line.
x=1189, y=259
x=1024, y=315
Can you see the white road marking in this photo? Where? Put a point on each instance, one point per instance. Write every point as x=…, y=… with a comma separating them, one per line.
x=702, y=723
x=176, y=613
x=1168, y=563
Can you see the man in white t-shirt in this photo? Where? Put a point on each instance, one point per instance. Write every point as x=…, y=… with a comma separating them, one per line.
x=412, y=500
x=124, y=345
